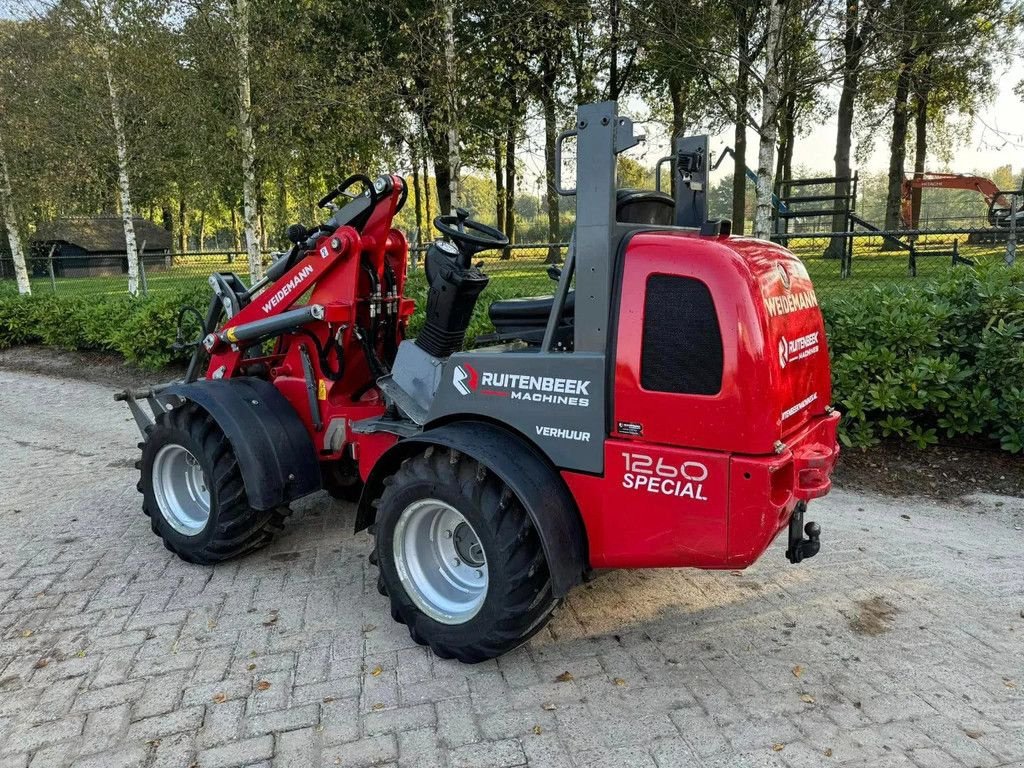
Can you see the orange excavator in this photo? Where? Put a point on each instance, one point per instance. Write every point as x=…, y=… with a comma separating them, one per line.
x=1003, y=205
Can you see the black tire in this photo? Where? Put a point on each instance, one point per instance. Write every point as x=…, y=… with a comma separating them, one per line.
x=341, y=479
x=518, y=602
x=233, y=527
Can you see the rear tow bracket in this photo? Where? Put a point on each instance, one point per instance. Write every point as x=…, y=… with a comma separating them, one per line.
x=799, y=547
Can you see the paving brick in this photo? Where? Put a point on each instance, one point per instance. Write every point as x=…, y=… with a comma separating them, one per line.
x=236, y=753
x=282, y=720
x=123, y=757
x=297, y=749
x=401, y=719
x=364, y=752
x=493, y=754
x=174, y=751
x=104, y=728
x=420, y=749
x=29, y=739
x=186, y=720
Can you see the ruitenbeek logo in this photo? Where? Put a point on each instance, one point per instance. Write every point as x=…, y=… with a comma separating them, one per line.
x=465, y=379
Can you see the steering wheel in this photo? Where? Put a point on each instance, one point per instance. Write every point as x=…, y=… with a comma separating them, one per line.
x=469, y=236
x=340, y=189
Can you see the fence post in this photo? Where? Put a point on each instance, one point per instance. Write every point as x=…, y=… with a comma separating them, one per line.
x=142, y=270
x=49, y=268
x=1011, y=240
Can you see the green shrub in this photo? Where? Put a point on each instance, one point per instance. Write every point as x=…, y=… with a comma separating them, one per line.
x=940, y=360
x=141, y=330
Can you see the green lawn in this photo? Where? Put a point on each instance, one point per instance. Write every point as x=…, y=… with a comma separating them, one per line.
x=525, y=274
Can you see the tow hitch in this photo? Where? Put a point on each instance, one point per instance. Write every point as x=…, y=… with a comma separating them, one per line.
x=799, y=547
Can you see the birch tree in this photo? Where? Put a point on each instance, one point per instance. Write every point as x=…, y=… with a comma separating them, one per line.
x=770, y=97
x=11, y=223
x=105, y=36
x=250, y=218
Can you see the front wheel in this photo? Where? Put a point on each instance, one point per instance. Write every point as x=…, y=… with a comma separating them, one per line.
x=460, y=559
x=193, y=493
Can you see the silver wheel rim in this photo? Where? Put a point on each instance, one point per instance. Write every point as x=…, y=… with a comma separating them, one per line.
x=440, y=561
x=179, y=485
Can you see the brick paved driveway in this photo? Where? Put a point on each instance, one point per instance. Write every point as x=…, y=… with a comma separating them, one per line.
x=902, y=644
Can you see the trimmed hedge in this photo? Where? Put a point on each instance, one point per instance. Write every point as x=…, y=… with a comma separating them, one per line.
x=141, y=330
x=937, y=360
x=940, y=360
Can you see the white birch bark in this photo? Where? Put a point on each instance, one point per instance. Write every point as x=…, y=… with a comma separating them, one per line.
x=121, y=144
x=770, y=97
x=454, y=154
x=11, y=222
x=250, y=219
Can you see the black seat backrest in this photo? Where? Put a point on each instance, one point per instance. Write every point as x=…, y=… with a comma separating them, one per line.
x=644, y=206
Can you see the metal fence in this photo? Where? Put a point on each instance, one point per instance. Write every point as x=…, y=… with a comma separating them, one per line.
x=875, y=258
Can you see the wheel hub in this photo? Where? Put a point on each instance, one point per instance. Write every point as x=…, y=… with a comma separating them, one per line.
x=181, y=490
x=440, y=561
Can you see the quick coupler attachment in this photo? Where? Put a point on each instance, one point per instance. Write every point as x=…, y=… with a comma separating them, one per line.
x=799, y=547
x=132, y=397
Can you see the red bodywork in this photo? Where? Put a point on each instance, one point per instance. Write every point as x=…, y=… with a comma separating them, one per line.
x=337, y=272
x=712, y=479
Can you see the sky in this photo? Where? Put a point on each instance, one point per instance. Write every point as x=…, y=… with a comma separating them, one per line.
x=996, y=139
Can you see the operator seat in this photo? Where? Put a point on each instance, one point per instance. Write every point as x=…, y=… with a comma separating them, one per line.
x=526, y=318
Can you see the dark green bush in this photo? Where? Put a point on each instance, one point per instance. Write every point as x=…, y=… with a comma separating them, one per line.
x=940, y=360
x=141, y=330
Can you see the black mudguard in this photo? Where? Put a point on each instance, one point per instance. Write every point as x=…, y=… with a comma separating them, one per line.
x=530, y=476
x=273, y=448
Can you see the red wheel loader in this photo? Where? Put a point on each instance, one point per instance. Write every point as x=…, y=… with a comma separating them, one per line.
x=667, y=406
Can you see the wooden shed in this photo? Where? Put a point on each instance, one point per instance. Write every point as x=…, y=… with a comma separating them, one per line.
x=94, y=245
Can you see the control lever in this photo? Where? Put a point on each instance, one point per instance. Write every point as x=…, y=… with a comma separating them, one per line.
x=461, y=214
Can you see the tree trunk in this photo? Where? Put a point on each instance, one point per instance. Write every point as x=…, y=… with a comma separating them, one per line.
x=548, y=79
x=426, y=192
x=770, y=93
x=853, y=48
x=920, y=150
x=123, y=186
x=182, y=224
x=439, y=153
x=202, y=230
x=249, y=220
x=416, y=190
x=167, y=217
x=898, y=147
x=282, y=204
x=236, y=239
x=510, y=189
x=613, y=50
x=678, y=97
x=499, y=185
x=452, y=111
x=11, y=222
x=739, y=178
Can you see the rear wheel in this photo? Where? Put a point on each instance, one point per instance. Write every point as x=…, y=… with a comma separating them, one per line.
x=193, y=492
x=460, y=559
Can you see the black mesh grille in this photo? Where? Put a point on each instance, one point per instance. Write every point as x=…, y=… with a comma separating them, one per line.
x=682, y=349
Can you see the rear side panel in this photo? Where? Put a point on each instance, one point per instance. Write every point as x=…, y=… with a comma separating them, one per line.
x=655, y=506
x=796, y=353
